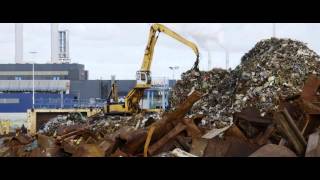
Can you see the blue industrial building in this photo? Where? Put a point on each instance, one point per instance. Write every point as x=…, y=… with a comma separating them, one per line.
x=64, y=86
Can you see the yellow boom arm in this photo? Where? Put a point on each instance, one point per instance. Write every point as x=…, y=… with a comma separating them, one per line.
x=143, y=75
x=153, y=36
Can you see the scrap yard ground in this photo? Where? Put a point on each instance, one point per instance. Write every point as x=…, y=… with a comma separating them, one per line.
x=268, y=106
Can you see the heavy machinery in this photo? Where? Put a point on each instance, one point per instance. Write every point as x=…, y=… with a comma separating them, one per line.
x=143, y=76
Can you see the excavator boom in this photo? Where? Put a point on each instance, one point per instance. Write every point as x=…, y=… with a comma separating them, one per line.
x=157, y=28
x=134, y=96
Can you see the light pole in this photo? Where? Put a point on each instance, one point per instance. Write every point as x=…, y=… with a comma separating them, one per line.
x=33, y=99
x=173, y=68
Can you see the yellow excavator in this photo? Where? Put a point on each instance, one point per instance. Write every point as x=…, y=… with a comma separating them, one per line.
x=143, y=76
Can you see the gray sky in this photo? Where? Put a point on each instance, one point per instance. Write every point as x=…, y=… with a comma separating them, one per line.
x=118, y=48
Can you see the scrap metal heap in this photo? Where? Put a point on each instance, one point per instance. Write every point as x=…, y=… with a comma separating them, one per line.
x=273, y=70
x=267, y=106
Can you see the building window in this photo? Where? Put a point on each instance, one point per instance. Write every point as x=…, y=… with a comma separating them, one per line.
x=17, y=78
x=56, y=78
x=9, y=101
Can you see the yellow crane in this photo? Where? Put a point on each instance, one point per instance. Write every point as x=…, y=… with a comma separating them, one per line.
x=143, y=76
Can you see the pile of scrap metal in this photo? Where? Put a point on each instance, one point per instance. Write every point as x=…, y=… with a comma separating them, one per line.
x=289, y=132
x=171, y=131
x=272, y=70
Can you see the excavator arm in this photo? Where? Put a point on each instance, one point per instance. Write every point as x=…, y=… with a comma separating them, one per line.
x=153, y=37
x=143, y=75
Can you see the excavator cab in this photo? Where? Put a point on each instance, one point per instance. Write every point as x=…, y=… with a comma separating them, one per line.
x=143, y=79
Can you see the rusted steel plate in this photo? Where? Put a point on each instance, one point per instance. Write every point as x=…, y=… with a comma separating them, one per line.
x=251, y=122
x=134, y=141
x=198, y=146
x=235, y=132
x=107, y=146
x=309, y=91
x=229, y=147
x=273, y=150
x=253, y=116
x=172, y=134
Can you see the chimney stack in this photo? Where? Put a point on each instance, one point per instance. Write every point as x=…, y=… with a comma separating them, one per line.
x=54, y=43
x=18, y=43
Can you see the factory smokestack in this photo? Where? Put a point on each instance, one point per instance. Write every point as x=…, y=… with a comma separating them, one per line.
x=18, y=43
x=54, y=43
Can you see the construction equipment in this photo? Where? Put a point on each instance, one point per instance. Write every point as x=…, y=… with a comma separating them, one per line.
x=113, y=94
x=143, y=76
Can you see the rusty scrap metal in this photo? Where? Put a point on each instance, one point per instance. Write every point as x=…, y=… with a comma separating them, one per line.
x=184, y=141
x=192, y=128
x=264, y=137
x=119, y=153
x=235, y=132
x=251, y=122
x=290, y=130
x=252, y=115
x=107, y=146
x=162, y=126
x=172, y=134
x=89, y=150
x=73, y=133
x=309, y=107
x=310, y=89
x=273, y=150
x=46, y=141
x=198, y=146
x=229, y=147
x=23, y=139
x=134, y=142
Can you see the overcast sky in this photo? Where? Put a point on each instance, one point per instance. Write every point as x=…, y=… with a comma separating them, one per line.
x=117, y=49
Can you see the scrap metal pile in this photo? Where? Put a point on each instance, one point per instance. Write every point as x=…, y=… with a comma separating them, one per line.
x=93, y=137
x=273, y=70
x=267, y=106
